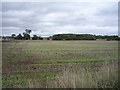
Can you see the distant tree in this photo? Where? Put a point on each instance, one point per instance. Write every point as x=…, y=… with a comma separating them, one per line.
x=26, y=36
x=20, y=37
x=35, y=37
x=28, y=31
x=40, y=38
x=13, y=35
x=73, y=37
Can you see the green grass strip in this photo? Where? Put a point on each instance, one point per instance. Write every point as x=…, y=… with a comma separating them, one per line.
x=78, y=60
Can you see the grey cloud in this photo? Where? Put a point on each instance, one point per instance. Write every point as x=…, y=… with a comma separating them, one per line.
x=52, y=18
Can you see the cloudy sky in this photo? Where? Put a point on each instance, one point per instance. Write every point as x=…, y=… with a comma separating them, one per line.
x=46, y=19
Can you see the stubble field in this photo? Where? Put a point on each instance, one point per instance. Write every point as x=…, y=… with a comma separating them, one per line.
x=60, y=64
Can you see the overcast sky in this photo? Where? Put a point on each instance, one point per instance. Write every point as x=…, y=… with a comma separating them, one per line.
x=45, y=19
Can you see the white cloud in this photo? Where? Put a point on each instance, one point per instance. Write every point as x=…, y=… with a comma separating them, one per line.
x=13, y=13
x=60, y=0
x=54, y=16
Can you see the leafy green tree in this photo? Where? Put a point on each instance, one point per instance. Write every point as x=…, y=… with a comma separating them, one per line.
x=73, y=37
x=35, y=37
x=26, y=36
x=40, y=38
x=28, y=31
x=20, y=37
x=13, y=35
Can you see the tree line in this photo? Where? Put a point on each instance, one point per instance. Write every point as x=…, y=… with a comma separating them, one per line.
x=83, y=37
x=26, y=36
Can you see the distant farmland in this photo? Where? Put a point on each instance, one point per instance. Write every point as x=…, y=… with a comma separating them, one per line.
x=60, y=64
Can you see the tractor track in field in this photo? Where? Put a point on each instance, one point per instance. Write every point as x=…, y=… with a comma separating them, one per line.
x=31, y=66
